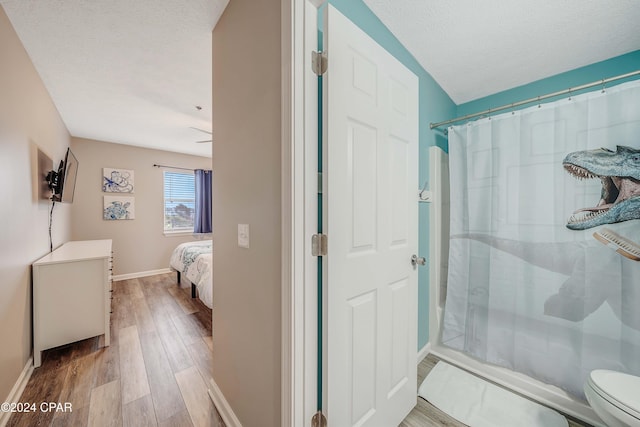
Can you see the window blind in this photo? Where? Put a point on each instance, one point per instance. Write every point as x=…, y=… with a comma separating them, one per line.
x=179, y=201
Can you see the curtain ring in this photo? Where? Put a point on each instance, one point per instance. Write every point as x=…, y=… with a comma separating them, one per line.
x=569, y=94
x=539, y=102
x=603, y=86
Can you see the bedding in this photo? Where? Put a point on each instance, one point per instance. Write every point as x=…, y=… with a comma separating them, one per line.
x=194, y=260
x=200, y=272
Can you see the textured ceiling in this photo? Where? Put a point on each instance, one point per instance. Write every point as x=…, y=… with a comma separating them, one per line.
x=477, y=48
x=133, y=71
x=125, y=71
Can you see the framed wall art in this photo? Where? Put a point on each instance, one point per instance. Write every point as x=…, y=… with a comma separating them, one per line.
x=119, y=207
x=117, y=180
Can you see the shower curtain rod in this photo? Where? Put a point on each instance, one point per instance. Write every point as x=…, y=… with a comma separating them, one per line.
x=536, y=99
x=171, y=167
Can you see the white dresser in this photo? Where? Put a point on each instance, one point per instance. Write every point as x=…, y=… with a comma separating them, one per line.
x=71, y=295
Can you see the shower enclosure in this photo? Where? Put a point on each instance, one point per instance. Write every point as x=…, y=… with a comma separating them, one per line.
x=438, y=267
x=534, y=284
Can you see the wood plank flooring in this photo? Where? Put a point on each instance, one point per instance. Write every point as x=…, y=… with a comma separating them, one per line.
x=155, y=372
x=426, y=415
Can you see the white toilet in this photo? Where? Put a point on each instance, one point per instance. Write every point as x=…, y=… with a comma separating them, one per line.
x=615, y=397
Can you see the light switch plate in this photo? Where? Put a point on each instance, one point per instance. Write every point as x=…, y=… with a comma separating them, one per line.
x=243, y=235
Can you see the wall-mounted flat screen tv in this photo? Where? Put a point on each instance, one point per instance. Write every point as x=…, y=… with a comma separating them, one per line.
x=63, y=182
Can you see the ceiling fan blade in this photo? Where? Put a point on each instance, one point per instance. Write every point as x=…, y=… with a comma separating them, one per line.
x=203, y=141
x=201, y=130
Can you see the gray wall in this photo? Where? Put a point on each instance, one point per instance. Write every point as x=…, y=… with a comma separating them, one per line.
x=139, y=245
x=28, y=119
x=246, y=190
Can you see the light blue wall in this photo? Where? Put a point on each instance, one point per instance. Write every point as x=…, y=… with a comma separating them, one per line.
x=435, y=105
x=612, y=67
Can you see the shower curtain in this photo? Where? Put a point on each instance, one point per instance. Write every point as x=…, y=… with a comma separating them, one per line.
x=544, y=261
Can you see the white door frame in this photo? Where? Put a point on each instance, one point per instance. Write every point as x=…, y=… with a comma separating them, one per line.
x=299, y=212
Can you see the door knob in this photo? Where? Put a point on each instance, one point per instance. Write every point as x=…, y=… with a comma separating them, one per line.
x=418, y=260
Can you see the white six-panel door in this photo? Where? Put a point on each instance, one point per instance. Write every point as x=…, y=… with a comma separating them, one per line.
x=371, y=218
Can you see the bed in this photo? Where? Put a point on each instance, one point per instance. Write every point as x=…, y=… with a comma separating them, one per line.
x=194, y=261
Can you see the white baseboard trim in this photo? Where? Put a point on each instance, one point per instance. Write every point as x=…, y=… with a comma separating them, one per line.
x=223, y=407
x=16, y=391
x=422, y=353
x=141, y=274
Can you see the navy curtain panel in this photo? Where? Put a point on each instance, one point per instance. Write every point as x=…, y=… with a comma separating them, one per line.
x=202, y=221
